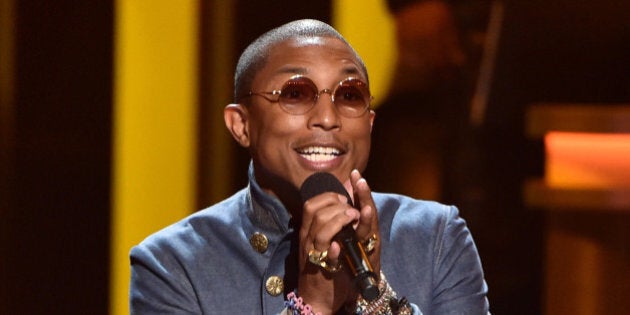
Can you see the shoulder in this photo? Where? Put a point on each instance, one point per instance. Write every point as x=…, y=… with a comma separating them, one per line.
x=184, y=237
x=402, y=209
x=403, y=218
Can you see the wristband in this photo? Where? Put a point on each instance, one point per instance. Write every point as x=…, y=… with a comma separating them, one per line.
x=386, y=303
x=295, y=305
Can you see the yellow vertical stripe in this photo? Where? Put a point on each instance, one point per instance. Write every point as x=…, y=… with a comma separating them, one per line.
x=369, y=27
x=155, y=107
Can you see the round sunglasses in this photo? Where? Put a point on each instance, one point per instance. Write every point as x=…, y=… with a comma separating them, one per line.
x=299, y=94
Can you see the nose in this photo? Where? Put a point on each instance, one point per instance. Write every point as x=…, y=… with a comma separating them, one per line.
x=324, y=114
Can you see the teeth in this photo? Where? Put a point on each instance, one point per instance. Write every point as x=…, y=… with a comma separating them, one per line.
x=319, y=154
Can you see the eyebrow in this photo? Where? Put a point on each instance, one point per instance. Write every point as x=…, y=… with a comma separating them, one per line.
x=350, y=69
x=291, y=70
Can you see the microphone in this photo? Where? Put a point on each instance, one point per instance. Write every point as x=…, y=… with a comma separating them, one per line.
x=351, y=249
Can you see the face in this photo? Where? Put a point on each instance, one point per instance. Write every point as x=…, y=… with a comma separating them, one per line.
x=287, y=148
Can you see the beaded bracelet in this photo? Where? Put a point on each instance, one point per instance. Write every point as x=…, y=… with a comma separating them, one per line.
x=296, y=305
x=386, y=303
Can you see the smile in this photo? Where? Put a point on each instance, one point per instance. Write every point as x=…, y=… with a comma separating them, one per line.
x=319, y=154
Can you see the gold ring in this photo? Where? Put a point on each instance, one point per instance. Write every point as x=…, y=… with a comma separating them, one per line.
x=319, y=259
x=316, y=257
x=370, y=243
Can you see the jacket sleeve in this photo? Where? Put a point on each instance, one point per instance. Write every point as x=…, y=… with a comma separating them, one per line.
x=159, y=284
x=459, y=286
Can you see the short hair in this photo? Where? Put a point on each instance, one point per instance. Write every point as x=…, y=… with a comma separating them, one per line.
x=255, y=55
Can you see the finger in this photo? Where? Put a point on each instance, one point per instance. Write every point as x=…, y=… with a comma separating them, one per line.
x=365, y=228
x=314, y=206
x=324, y=216
x=368, y=222
x=333, y=253
x=324, y=228
x=361, y=190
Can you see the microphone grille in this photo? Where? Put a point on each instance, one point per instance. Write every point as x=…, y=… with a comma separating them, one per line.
x=319, y=183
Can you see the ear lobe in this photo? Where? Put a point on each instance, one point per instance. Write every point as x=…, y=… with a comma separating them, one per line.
x=372, y=115
x=236, y=121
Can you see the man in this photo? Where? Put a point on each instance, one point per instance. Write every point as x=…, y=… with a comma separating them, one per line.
x=302, y=106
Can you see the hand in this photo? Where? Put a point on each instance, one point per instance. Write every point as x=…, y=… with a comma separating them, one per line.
x=368, y=220
x=322, y=218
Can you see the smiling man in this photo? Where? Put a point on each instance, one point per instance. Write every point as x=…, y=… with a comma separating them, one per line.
x=302, y=106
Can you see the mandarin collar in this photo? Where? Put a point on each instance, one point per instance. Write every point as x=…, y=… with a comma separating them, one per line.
x=266, y=212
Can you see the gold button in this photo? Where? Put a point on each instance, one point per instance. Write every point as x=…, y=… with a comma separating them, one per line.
x=275, y=285
x=259, y=242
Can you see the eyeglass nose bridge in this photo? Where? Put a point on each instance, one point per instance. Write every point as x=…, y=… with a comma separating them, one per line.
x=326, y=91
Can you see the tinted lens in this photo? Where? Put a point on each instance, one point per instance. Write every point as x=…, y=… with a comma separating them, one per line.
x=298, y=95
x=352, y=96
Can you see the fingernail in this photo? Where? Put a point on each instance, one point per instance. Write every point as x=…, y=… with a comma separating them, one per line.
x=362, y=182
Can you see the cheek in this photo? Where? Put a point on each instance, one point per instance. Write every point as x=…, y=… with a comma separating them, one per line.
x=362, y=131
x=361, y=141
x=274, y=132
x=366, y=136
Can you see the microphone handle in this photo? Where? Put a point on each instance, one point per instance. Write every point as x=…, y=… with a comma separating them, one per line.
x=357, y=261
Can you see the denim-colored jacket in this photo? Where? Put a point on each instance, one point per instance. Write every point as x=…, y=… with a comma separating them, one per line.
x=206, y=263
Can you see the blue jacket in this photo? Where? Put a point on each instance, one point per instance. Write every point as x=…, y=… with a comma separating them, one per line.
x=205, y=263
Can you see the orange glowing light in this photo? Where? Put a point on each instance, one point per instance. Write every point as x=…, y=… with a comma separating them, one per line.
x=587, y=160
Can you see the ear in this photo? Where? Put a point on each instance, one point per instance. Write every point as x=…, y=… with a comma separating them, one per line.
x=372, y=115
x=236, y=120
